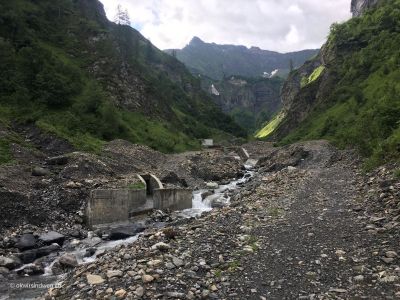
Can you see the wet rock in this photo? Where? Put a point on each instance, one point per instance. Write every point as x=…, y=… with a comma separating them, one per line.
x=90, y=252
x=91, y=242
x=212, y=185
x=219, y=202
x=31, y=270
x=52, y=237
x=68, y=260
x=26, y=241
x=28, y=256
x=4, y=271
x=38, y=171
x=206, y=194
x=46, y=250
x=124, y=232
x=10, y=262
x=94, y=279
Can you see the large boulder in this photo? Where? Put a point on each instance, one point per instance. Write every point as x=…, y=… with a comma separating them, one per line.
x=30, y=256
x=46, y=250
x=26, y=242
x=52, y=237
x=68, y=260
x=38, y=171
x=124, y=232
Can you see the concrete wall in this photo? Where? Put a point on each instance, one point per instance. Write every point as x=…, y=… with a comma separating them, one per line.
x=207, y=143
x=110, y=206
x=173, y=199
x=107, y=206
x=136, y=199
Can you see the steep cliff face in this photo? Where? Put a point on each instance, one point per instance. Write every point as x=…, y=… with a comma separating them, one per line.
x=349, y=93
x=358, y=7
x=251, y=102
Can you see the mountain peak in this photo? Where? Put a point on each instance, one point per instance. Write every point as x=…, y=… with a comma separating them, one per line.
x=196, y=41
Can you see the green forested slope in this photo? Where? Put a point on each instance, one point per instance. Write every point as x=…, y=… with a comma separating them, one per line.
x=68, y=70
x=355, y=100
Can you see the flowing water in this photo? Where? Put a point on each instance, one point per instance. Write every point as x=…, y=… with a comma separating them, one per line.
x=33, y=286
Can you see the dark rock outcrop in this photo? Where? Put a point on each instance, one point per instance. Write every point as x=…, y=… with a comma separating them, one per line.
x=358, y=7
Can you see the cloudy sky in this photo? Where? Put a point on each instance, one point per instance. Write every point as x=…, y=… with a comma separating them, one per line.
x=280, y=25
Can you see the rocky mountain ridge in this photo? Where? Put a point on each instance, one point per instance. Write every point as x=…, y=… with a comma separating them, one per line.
x=216, y=61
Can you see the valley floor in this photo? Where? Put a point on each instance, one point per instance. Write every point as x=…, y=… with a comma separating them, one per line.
x=322, y=230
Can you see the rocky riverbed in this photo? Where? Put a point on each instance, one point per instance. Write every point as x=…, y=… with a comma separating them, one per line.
x=308, y=224
x=319, y=229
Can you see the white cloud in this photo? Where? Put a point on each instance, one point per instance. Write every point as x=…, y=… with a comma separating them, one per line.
x=281, y=25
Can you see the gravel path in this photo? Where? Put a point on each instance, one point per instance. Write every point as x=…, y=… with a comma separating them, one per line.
x=297, y=233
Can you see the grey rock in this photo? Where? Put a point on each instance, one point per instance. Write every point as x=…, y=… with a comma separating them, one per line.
x=176, y=295
x=177, y=261
x=114, y=273
x=391, y=254
x=58, y=160
x=26, y=242
x=387, y=260
x=139, y=292
x=124, y=232
x=52, y=237
x=68, y=260
x=94, y=279
x=38, y=171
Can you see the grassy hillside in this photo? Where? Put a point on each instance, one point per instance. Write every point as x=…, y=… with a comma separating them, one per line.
x=68, y=70
x=360, y=105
